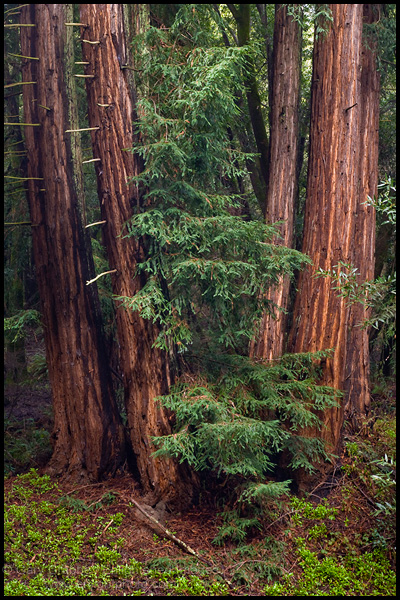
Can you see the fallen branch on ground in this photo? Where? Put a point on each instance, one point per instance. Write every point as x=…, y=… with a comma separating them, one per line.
x=165, y=531
x=170, y=535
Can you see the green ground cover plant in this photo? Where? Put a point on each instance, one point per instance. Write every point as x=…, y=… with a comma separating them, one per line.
x=70, y=544
x=350, y=576
x=53, y=549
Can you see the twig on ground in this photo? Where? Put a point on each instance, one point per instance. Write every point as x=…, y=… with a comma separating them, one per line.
x=176, y=540
x=82, y=487
x=165, y=531
x=108, y=525
x=170, y=535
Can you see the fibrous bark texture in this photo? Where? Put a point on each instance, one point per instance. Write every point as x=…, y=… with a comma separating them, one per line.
x=321, y=318
x=88, y=436
x=282, y=170
x=357, y=399
x=146, y=370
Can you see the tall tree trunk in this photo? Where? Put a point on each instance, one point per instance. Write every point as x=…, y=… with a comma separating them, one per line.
x=146, y=370
x=357, y=400
x=88, y=435
x=321, y=318
x=242, y=17
x=282, y=169
x=243, y=130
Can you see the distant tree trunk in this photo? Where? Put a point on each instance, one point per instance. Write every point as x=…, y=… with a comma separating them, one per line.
x=242, y=18
x=321, y=318
x=282, y=169
x=14, y=293
x=88, y=436
x=357, y=400
x=243, y=130
x=146, y=370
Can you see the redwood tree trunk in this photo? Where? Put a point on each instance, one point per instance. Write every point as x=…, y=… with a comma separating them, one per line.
x=357, y=399
x=321, y=318
x=88, y=436
x=282, y=169
x=146, y=370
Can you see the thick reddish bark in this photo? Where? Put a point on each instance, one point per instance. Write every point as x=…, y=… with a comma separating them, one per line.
x=146, y=370
x=357, y=400
x=321, y=318
x=282, y=169
x=88, y=436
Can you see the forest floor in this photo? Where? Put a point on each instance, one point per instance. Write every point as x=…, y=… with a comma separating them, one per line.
x=91, y=540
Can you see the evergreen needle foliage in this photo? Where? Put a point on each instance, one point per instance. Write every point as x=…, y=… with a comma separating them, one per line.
x=208, y=265
x=237, y=421
x=16, y=326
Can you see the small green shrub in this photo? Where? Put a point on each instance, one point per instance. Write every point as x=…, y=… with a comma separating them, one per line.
x=236, y=426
